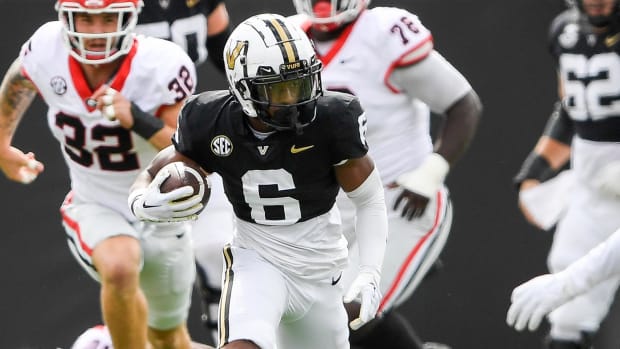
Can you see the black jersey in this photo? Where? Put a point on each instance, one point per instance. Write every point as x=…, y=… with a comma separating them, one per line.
x=284, y=178
x=589, y=68
x=181, y=21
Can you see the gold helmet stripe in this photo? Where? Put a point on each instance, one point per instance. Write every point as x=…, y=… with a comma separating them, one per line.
x=284, y=39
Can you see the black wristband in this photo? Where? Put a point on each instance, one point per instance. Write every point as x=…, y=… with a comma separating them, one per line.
x=559, y=126
x=534, y=167
x=145, y=124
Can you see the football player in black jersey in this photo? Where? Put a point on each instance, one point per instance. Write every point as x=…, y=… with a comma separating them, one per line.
x=284, y=149
x=200, y=27
x=585, y=127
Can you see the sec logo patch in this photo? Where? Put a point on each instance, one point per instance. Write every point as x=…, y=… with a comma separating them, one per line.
x=221, y=146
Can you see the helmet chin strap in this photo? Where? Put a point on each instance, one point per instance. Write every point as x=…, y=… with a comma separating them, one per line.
x=289, y=115
x=296, y=123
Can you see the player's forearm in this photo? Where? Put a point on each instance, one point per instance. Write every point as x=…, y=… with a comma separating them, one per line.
x=162, y=138
x=16, y=95
x=460, y=127
x=551, y=152
x=371, y=224
x=554, y=145
x=218, y=30
x=598, y=265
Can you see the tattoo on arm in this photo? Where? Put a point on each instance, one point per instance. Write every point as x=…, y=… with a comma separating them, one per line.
x=16, y=95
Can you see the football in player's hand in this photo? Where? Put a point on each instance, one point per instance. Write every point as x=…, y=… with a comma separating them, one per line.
x=181, y=175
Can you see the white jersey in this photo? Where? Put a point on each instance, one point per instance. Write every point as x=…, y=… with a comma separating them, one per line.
x=397, y=102
x=104, y=158
x=361, y=62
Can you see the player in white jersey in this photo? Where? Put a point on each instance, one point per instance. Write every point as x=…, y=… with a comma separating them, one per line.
x=385, y=56
x=113, y=102
x=585, y=129
x=536, y=298
x=201, y=29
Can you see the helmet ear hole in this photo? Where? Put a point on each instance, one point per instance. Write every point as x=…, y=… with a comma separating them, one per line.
x=240, y=85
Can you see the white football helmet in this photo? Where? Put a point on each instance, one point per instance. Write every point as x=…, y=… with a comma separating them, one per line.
x=273, y=71
x=96, y=337
x=330, y=14
x=117, y=43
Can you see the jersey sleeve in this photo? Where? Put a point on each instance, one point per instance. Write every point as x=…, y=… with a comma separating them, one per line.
x=564, y=27
x=195, y=128
x=38, y=49
x=349, y=130
x=182, y=138
x=398, y=35
x=172, y=69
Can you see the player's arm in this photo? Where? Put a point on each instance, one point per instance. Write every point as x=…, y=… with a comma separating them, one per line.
x=445, y=90
x=168, y=115
x=158, y=130
x=218, y=30
x=361, y=181
x=16, y=94
x=551, y=153
x=534, y=299
x=549, y=156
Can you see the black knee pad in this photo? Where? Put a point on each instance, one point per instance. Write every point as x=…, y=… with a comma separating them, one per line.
x=390, y=331
x=209, y=297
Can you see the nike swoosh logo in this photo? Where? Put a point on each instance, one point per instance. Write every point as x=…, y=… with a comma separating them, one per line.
x=144, y=205
x=612, y=40
x=191, y=3
x=336, y=281
x=295, y=150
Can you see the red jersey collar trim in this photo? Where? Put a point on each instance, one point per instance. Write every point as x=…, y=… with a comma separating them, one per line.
x=342, y=39
x=116, y=82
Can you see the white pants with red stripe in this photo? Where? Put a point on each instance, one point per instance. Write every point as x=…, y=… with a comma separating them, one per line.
x=412, y=246
x=168, y=269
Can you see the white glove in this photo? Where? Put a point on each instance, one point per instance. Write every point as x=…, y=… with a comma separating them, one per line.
x=365, y=289
x=534, y=299
x=427, y=178
x=150, y=204
x=96, y=337
x=608, y=179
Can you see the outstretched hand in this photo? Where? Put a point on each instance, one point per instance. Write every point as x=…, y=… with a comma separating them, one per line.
x=414, y=204
x=534, y=299
x=20, y=167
